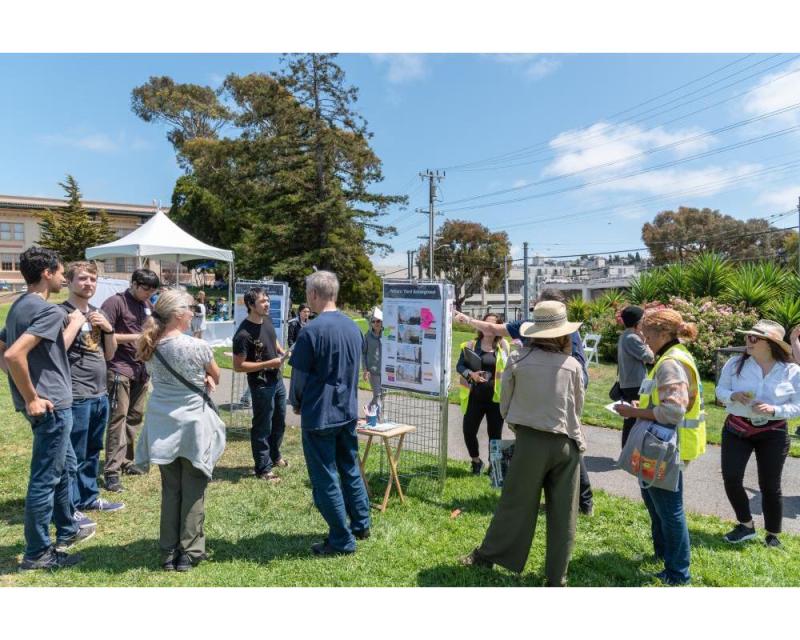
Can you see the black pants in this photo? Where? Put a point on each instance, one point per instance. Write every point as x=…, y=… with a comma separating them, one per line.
x=476, y=410
x=771, y=448
x=585, y=497
x=628, y=395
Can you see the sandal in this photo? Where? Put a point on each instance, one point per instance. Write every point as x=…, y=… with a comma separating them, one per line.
x=270, y=476
x=281, y=463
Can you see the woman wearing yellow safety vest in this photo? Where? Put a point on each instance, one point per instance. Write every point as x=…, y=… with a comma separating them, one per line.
x=671, y=395
x=480, y=389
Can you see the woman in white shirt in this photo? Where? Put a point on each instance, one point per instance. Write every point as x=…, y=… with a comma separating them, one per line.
x=761, y=391
x=199, y=317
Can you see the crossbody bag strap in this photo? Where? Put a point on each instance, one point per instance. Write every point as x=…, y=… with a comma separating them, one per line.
x=201, y=392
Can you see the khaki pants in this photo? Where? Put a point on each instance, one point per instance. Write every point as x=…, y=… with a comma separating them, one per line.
x=542, y=460
x=183, y=488
x=124, y=421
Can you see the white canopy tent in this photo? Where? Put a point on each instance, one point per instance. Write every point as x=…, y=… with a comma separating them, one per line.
x=161, y=239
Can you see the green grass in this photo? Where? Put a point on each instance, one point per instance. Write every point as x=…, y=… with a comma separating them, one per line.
x=259, y=535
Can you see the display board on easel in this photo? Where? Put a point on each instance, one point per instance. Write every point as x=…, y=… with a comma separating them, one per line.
x=279, y=303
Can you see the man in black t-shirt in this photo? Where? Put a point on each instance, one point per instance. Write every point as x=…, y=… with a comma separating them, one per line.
x=257, y=353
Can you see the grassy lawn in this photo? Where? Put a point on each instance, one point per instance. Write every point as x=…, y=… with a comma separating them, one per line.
x=259, y=535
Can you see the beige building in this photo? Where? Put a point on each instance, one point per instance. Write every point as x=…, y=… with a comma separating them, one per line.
x=19, y=229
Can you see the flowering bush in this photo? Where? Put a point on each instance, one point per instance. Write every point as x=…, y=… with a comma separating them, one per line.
x=716, y=325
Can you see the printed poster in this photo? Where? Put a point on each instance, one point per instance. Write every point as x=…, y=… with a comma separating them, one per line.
x=415, y=329
x=279, y=303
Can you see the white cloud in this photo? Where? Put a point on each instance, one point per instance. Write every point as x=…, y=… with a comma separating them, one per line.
x=708, y=180
x=402, y=67
x=604, y=143
x=776, y=91
x=518, y=184
x=99, y=142
x=782, y=198
x=534, y=66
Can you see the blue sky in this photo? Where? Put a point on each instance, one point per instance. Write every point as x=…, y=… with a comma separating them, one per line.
x=574, y=115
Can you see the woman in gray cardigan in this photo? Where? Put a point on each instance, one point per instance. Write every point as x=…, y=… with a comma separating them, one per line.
x=633, y=356
x=541, y=400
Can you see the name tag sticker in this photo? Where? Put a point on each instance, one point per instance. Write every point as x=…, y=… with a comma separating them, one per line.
x=86, y=327
x=647, y=387
x=147, y=312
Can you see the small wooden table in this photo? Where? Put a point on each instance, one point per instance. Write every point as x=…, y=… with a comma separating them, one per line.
x=398, y=431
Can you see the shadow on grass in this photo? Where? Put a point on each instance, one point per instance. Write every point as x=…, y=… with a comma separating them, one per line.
x=233, y=475
x=791, y=504
x=12, y=511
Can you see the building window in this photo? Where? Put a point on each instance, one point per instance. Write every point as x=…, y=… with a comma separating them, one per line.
x=9, y=261
x=124, y=265
x=12, y=231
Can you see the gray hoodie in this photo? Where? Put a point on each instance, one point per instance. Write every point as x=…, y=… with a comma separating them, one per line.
x=371, y=352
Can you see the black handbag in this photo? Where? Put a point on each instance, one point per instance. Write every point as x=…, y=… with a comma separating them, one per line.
x=201, y=392
x=615, y=393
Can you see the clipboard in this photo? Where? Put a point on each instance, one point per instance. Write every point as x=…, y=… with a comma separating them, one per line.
x=472, y=359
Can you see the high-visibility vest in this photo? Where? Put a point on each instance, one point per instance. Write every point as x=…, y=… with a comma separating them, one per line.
x=692, y=429
x=501, y=355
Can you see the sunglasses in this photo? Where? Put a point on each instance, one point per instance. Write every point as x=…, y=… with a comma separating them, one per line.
x=754, y=339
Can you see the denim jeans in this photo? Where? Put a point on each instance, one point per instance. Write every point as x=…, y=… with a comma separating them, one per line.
x=670, y=532
x=269, y=424
x=89, y=418
x=336, y=483
x=48, y=487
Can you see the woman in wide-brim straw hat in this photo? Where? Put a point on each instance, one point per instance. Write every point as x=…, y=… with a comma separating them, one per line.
x=541, y=400
x=761, y=390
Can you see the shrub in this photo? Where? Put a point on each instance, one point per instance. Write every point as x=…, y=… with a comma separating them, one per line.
x=708, y=275
x=785, y=311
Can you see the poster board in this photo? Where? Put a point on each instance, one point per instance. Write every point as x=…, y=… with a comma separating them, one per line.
x=279, y=303
x=417, y=336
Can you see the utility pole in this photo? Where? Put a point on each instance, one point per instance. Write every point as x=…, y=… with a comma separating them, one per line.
x=505, y=289
x=433, y=178
x=525, y=295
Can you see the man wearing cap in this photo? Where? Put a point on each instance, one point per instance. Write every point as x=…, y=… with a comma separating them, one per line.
x=633, y=356
x=371, y=357
x=512, y=330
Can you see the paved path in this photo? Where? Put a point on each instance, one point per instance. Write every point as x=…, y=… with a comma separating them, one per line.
x=703, y=493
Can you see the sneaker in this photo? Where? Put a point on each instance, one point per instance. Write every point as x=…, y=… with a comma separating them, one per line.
x=587, y=511
x=740, y=533
x=82, y=536
x=477, y=467
x=104, y=505
x=476, y=559
x=83, y=521
x=183, y=563
x=269, y=476
x=325, y=549
x=667, y=581
x=50, y=560
x=113, y=484
x=362, y=535
x=772, y=541
x=132, y=470
x=168, y=563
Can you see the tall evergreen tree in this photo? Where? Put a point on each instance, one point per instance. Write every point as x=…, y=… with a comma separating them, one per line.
x=71, y=230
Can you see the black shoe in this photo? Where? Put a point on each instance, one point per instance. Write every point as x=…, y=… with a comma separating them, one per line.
x=477, y=467
x=325, y=549
x=362, y=535
x=81, y=536
x=772, y=541
x=50, y=560
x=476, y=559
x=587, y=510
x=168, y=564
x=132, y=470
x=740, y=533
x=113, y=484
x=183, y=563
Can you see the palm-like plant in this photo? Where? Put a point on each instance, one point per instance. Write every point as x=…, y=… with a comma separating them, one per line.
x=676, y=281
x=577, y=310
x=614, y=297
x=709, y=275
x=785, y=311
x=773, y=275
x=748, y=287
x=648, y=286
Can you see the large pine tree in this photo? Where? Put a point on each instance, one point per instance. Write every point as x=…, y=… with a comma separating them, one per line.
x=71, y=229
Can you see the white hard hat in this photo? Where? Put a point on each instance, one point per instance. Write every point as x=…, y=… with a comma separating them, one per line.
x=377, y=314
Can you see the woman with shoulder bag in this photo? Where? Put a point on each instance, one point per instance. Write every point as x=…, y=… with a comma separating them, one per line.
x=633, y=356
x=182, y=432
x=761, y=391
x=480, y=389
x=542, y=399
x=672, y=396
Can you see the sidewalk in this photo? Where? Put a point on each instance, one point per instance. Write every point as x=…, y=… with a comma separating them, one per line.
x=703, y=490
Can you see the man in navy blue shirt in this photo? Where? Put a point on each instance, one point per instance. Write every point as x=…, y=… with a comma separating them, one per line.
x=511, y=329
x=324, y=391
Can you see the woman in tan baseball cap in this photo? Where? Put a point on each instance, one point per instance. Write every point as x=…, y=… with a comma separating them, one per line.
x=761, y=391
x=541, y=400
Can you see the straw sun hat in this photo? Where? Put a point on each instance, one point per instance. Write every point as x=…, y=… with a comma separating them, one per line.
x=769, y=330
x=549, y=321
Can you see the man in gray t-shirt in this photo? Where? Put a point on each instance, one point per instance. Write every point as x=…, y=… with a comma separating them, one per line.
x=33, y=353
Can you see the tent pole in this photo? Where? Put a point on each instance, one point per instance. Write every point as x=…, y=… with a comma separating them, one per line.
x=178, y=271
x=231, y=301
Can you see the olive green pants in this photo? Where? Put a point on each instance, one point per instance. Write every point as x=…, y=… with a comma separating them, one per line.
x=542, y=461
x=183, y=490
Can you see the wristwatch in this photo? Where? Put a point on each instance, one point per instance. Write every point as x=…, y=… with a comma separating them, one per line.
x=108, y=333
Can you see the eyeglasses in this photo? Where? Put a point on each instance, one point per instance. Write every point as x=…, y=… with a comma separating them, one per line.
x=145, y=287
x=754, y=339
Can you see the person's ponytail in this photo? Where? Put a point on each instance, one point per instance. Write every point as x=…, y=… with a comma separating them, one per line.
x=169, y=304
